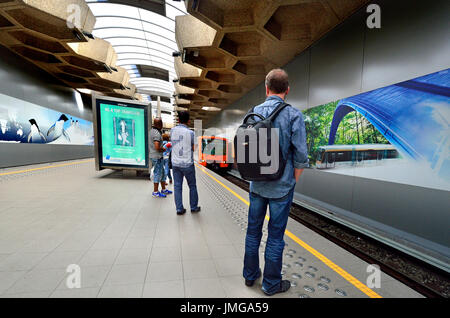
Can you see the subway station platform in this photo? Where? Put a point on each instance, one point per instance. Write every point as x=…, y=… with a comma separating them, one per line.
x=129, y=244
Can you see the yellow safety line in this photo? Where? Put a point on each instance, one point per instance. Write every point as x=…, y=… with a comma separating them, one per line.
x=352, y=280
x=46, y=167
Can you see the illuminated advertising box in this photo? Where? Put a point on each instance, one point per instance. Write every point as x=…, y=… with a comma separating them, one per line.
x=121, y=133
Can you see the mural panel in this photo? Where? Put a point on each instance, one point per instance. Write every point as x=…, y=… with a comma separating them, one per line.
x=398, y=133
x=23, y=122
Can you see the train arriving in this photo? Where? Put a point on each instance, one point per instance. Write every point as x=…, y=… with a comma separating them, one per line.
x=214, y=152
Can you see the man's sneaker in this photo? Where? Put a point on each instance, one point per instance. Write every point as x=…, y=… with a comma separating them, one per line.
x=166, y=192
x=250, y=283
x=159, y=195
x=284, y=287
x=198, y=209
x=181, y=212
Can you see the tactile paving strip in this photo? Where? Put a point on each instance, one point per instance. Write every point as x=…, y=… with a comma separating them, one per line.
x=8, y=174
x=308, y=279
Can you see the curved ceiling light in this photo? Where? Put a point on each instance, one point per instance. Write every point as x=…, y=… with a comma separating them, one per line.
x=143, y=35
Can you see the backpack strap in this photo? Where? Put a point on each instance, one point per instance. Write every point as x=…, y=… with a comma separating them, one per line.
x=277, y=110
x=271, y=117
x=252, y=113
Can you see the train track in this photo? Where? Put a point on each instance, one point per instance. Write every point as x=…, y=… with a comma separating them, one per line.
x=427, y=280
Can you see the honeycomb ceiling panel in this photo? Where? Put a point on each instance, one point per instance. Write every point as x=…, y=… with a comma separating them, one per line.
x=251, y=37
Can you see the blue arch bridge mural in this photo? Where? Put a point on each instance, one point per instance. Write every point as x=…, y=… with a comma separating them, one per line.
x=412, y=117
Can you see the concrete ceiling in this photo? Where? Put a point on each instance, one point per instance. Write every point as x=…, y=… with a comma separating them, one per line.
x=39, y=32
x=229, y=46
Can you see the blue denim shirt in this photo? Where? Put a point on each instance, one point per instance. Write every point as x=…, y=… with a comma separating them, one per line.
x=182, y=141
x=292, y=136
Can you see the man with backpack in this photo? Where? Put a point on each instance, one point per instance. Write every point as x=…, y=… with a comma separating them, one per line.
x=274, y=188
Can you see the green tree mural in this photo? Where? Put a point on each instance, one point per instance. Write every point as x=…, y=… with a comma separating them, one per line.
x=353, y=130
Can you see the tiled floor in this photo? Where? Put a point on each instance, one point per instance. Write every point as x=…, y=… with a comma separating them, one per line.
x=128, y=244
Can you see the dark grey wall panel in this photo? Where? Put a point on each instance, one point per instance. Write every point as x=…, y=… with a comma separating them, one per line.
x=420, y=211
x=331, y=188
x=23, y=80
x=414, y=40
x=336, y=63
x=298, y=71
x=12, y=155
x=403, y=212
x=26, y=82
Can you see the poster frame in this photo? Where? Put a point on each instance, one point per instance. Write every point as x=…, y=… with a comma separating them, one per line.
x=147, y=107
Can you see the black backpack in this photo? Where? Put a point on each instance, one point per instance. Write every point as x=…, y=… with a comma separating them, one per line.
x=248, y=154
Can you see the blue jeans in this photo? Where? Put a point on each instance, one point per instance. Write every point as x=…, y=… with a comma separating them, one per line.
x=167, y=170
x=158, y=170
x=178, y=175
x=279, y=213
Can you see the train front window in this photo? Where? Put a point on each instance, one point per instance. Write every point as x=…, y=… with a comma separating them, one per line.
x=214, y=147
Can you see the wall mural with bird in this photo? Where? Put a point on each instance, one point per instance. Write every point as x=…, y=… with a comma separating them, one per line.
x=24, y=122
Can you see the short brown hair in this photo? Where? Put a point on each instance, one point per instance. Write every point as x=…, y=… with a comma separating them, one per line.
x=277, y=81
x=166, y=137
x=183, y=117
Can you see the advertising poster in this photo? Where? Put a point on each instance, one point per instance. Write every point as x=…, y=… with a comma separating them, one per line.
x=122, y=135
x=398, y=133
x=23, y=122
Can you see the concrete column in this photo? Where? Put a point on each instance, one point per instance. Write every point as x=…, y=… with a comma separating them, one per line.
x=158, y=107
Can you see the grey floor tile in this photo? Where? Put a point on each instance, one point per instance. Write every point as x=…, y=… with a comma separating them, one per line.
x=204, y=288
x=165, y=254
x=108, y=243
x=168, y=289
x=138, y=243
x=127, y=274
x=142, y=232
x=219, y=239
x=21, y=261
x=41, y=294
x=76, y=293
x=164, y=271
x=36, y=281
x=76, y=244
x=99, y=257
x=223, y=251
x=121, y=291
x=195, y=252
x=166, y=239
x=41, y=246
x=199, y=269
x=7, y=279
x=229, y=266
x=133, y=256
x=61, y=259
